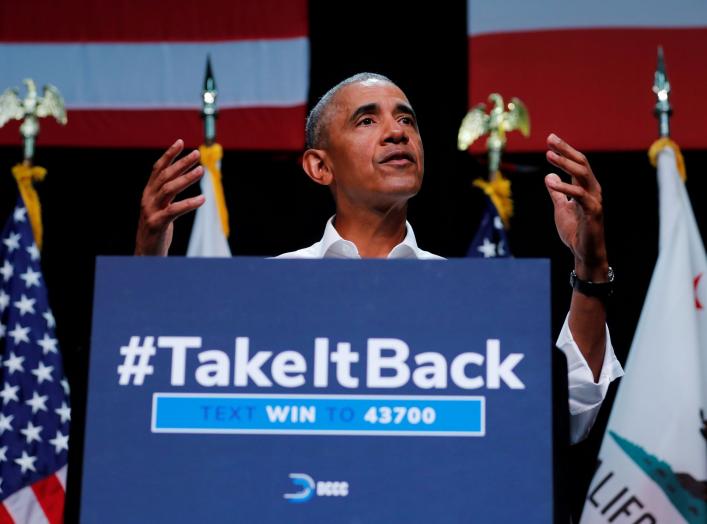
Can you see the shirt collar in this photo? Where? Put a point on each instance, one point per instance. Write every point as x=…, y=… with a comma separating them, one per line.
x=333, y=246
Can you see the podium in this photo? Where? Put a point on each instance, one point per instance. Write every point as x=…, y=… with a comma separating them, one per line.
x=349, y=391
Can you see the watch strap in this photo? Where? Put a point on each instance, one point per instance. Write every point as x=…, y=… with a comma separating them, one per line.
x=602, y=290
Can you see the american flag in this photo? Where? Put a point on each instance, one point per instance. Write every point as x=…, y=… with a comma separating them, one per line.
x=35, y=413
x=490, y=240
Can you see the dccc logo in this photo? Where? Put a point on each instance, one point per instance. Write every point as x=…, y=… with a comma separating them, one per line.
x=308, y=488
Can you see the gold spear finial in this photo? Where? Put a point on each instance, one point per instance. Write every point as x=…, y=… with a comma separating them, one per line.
x=661, y=88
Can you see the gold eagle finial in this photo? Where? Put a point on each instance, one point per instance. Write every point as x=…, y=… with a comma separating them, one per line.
x=496, y=123
x=30, y=110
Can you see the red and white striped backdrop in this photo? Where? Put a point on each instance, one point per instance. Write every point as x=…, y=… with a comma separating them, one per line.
x=40, y=503
x=132, y=73
x=585, y=69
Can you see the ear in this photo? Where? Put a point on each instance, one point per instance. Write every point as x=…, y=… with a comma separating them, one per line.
x=315, y=164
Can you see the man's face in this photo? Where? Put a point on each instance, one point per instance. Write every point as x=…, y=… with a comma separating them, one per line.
x=373, y=145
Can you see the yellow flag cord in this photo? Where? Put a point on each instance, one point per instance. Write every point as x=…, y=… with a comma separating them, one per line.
x=210, y=158
x=659, y=145
x=26, y=176
x=499, y=191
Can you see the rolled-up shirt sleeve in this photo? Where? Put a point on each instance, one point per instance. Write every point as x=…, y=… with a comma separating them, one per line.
x=585, y=395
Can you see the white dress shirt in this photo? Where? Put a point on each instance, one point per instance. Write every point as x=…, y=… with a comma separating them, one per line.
x=585, y=395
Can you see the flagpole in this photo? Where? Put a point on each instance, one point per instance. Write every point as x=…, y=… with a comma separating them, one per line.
x=210, y=231
x=663, y=111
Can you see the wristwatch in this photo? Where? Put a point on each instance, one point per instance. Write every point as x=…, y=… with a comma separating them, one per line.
x=602, y=290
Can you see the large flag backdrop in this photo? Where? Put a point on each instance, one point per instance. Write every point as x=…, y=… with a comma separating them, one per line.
x=585, y=69
x=132, y=74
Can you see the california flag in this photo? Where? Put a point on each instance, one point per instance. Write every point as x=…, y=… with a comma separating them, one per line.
x=653, y=459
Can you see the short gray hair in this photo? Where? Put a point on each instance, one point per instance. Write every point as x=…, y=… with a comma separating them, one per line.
x=315, y=129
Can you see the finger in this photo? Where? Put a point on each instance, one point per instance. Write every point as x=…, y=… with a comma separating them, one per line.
x=172, y=188
x=576, y=192
x=178, y=209
x=179, y=167
x=579, y=173
x=559, y=146
x=168, y=156
x=558, y=198
x=571, y=161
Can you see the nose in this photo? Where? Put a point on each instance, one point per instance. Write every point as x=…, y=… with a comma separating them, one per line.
x=395, y=133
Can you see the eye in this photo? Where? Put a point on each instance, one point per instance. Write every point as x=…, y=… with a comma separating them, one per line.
x=408, y=120
x=365, y=121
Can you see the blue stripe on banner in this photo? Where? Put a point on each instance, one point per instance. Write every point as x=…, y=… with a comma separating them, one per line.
x=252, y=73
x=319, y=414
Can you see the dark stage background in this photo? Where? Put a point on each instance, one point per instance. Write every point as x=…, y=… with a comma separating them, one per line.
x=91, y=196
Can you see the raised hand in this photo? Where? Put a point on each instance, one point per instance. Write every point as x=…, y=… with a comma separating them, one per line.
x=579, y=219
x=158, y=210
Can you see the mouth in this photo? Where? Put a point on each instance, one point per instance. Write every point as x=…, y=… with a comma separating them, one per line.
x=397, y=158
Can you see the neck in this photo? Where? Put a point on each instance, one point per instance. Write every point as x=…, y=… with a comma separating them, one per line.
x=374, y=232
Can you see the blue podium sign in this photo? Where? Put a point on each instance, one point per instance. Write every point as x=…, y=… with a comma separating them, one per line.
x=269, y=391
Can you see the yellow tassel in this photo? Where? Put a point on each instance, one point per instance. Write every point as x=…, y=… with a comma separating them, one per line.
x=499, y=191
x=210, y=157
x=662, y=143
x=25, y=176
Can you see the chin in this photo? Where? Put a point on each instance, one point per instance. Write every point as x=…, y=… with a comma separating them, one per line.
x=400, y=191
x=399, y=183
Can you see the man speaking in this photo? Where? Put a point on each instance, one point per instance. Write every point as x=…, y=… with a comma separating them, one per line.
x=363, y=142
